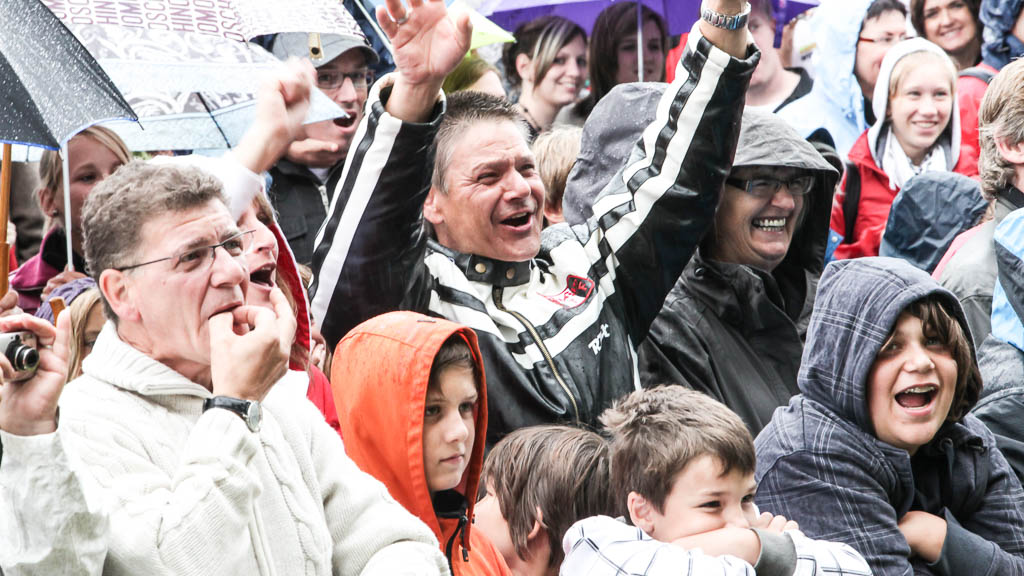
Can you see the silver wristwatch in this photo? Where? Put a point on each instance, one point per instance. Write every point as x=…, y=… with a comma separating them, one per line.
x=249, y=411
x=725, y=21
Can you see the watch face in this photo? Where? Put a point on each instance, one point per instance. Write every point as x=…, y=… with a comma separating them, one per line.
x=254, y=417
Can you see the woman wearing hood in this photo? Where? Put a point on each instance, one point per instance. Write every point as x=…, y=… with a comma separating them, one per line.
x=879, y=451
x=917, y=131
x=413, y=409
x=731, y=327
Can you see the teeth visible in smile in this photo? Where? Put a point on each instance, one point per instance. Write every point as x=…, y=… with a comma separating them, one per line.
x=919, y=390
x=770, y=223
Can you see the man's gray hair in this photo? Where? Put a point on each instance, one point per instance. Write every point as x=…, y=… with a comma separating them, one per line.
x=1001, y=117
x=464, y=109
x=119, y=207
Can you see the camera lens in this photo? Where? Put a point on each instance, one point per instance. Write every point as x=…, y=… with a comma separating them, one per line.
x=25, y=358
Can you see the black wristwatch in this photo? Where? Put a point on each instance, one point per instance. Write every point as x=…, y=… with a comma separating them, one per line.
x=249, y=411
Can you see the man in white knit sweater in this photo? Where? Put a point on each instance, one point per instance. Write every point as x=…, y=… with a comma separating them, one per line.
x=175, y=453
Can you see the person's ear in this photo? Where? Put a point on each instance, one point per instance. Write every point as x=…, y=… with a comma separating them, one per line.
x=538, y=526
x=432, y=207
x=524, y=67
x=641, y=512
x=47, y=200
x=1012, y=153
x=116, y=289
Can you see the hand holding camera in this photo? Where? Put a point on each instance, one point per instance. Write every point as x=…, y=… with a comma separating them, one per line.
x=28, y=400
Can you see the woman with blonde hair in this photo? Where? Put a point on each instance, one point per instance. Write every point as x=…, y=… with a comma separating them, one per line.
x=93, y=154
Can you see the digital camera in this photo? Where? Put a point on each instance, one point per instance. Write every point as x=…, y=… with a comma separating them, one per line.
x=20, y=350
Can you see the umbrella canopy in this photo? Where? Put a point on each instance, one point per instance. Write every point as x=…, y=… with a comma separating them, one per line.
x=191, y=92
x=50, y=86
x=195, y=90
x=50, y=89
x=236, y=20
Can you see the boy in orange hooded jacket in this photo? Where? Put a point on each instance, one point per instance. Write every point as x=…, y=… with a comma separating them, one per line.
x=412, y=403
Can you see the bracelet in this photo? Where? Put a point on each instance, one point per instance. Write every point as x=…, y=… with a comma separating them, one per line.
x=725, y=21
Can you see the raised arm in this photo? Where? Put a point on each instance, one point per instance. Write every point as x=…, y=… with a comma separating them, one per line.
x=654, y=212
x=369, y=254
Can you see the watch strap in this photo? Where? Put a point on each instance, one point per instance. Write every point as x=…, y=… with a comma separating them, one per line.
x=725, y=21
x=243, y=408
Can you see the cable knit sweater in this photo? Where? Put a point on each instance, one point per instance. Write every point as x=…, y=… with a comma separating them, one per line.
x=139, y=480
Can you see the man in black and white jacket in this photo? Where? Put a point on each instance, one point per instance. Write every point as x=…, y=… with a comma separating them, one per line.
x=558, y=314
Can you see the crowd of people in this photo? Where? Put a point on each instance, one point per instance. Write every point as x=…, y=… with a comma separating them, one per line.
x=567, y=311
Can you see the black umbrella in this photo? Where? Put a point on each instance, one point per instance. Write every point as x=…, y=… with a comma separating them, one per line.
x=50, y=89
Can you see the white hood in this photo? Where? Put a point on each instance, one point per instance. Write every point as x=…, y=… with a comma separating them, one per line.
x=880, y=98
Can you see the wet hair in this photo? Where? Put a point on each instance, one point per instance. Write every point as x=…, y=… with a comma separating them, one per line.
x=454, y=353
x=612, y=25
x=465, y=109
x=917, y=15
x=556, y=151
x=540, y=39
x=937, y=322
x=656, y=432
x=879, y=7
x=561, y=470
x=471, y=69
x=119, y=208
x=1000, y=117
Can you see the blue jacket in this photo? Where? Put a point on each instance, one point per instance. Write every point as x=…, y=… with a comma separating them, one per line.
x=835, y=103
x=1001, y=358
x=998, y=18
x=819, y=462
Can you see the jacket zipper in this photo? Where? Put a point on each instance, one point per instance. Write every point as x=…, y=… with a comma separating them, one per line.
x=540, y=344
x=463, y=520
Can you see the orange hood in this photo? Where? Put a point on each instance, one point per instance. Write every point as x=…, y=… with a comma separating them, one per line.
x=380, y=374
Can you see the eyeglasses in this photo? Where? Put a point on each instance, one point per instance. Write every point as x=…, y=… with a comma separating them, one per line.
x=884, y=41
x=335, y=79
x=762, y=187
x=201, y=258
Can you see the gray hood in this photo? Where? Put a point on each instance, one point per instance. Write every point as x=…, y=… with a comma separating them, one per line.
x=610, y=132
x=857, y=305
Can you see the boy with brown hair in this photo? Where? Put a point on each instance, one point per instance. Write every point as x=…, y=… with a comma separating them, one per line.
x=540, y=480
x=683, y=473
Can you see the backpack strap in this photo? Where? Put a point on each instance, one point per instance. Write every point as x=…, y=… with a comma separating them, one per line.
x=983, y=74
x=851, y=202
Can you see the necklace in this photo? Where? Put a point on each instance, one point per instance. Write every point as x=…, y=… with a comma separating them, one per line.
x=529, y=118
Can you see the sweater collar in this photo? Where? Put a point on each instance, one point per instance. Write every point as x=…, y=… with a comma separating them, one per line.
x=118, y=363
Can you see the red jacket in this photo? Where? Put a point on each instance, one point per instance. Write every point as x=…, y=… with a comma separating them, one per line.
x=380, y=374
x=969, y=92
x=875, y=200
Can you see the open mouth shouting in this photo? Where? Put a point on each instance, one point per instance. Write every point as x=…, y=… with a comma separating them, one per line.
x=521, y=221
x=917, y=398
x=264, y=276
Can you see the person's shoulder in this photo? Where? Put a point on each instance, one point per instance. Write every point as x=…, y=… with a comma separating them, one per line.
x=807, y=429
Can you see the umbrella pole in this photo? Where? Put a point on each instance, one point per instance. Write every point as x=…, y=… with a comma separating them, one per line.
x=5, y=203
x=640, y=40
x=67, y=204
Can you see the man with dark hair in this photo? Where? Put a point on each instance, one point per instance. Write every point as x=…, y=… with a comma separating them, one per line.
x=558, y=314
